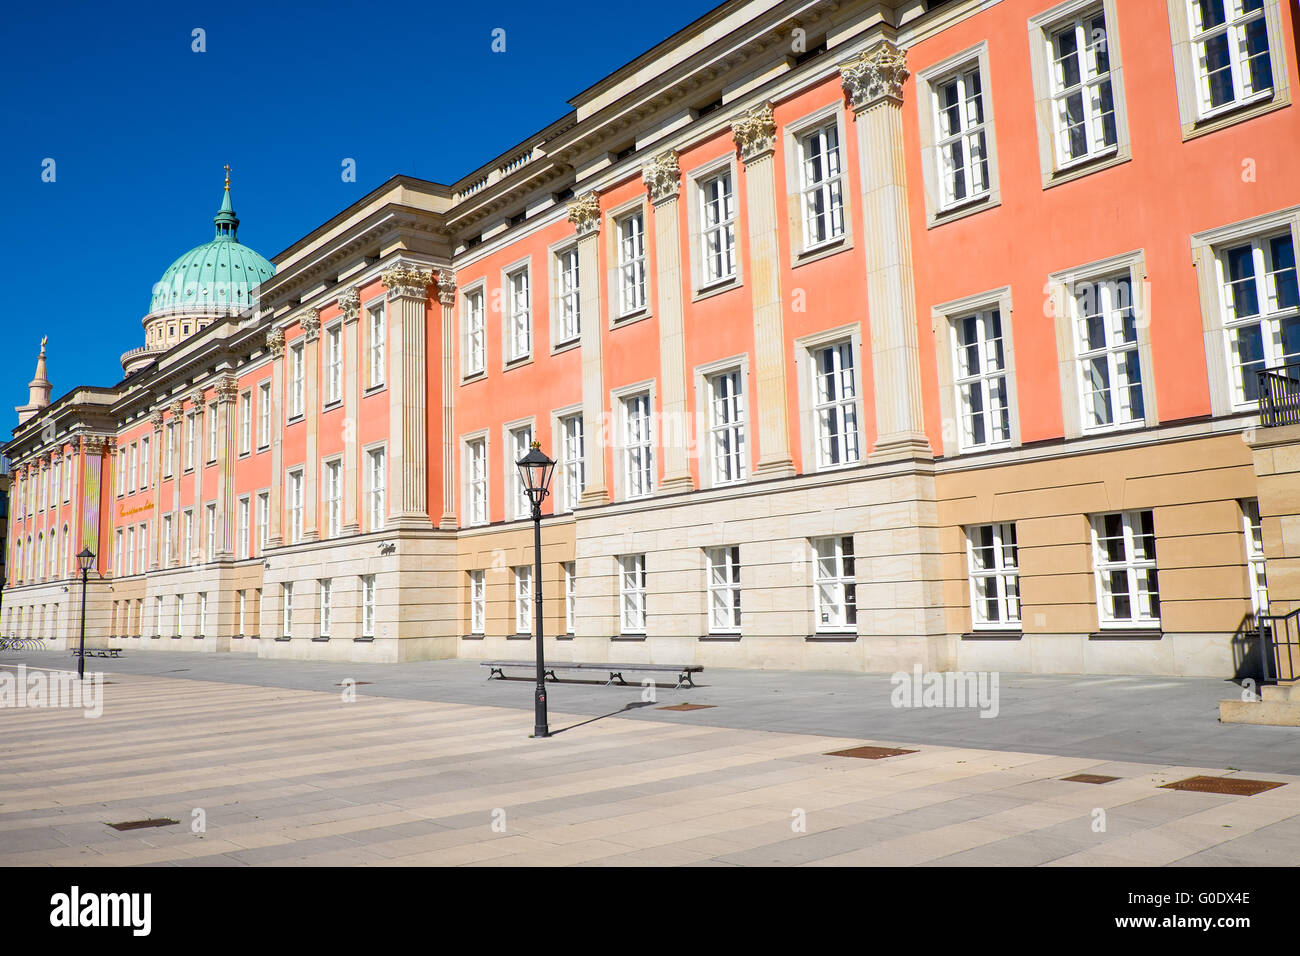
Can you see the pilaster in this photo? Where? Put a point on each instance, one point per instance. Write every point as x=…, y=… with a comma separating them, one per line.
x=311, y=468
x=227, y=455
x=447, y=299
x=155, y=482
x=874, y=84
x=275, y=345
x=408, y=297
x=350, y=305
x=755, y=136
x=200, y=465
x=584, y=213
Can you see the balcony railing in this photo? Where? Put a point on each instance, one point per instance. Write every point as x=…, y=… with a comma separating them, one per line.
x=1279, y=395
x=1279, y=639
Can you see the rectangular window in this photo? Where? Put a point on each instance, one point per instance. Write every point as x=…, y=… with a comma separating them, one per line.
x=203, y=614
x=241, y=545
x=264, y=415
x=376, y=482
x=263, y=520
x=334, y=365
x=1124, y=556
x=245, y=423
x=631, y=264
x=519, y=328
x=474, y=345
x=1255, y=556
x=297, y=381
x=1260, y=305
x=570, y=595
x=67, y=478
x=122, y=459
x=187, y=554
x=259, y=611
x=632, y=593
x=367, y=605
x=158, y=615
x=477, y=602
x=524, y=599
x=286, y=620
x=169, y=449
x=133, y=472
x=994, y=563
x=1083, y=104
x=190, y=439
x=334, y=498
x=146, y=476
x=724, y=589
x=821, y=186
x=726, y=428
x=167, y=541
x=567, y=296
x=638, y=458
x=476, y=492
x=211, y=514
x=326, y=606
x=142, y=557
x=378, y=331
x=1230, y=53
x=295, y=506
x=981, y=380
x=573, y=462
x=180, y=615
x=836, y=590
x=836, y=407
x=1106, y=348
x=520, y=442
x=212, y=432
x=243, y=610
x=718, y=228
x=961, y=143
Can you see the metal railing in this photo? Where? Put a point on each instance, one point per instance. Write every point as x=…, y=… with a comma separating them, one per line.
x=1279, y=395
x=1279, y=645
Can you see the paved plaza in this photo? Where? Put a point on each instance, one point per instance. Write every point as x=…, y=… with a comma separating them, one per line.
x=432, y=765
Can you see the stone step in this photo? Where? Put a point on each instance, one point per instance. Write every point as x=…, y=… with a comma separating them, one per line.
x=1277, y=713
x=1280, y=692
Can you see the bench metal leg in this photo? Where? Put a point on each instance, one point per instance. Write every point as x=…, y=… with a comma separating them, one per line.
x=616, y=676
x=685, y=678
x=495, y=672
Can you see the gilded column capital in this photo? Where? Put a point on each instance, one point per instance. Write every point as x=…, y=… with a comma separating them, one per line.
x=177, y=408
x=876, y=74
x=227, y=389
x=275, y=342
x=446, y=287
x=156, y=419
x=662, y=177
x=584, y=213
x=310, y=323
x=350, y=304
x=755, y=132
x=406, y=283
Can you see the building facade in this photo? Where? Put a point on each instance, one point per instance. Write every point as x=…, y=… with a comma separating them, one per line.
x=864, y=335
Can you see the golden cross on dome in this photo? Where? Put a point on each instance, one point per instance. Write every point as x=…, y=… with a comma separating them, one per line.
x=227, y=168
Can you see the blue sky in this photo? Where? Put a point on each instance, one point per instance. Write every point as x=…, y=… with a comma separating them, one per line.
x=139, y=127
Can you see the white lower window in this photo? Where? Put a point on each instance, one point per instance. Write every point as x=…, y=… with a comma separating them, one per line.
x=477, y=601
x=1255, y=556
x=524, y=599
x=836, y=588
x=994, y=563
x=326, y=606
x=570, y=595
x=724, y=589
x=367, y=605
x=632, y=593
x=1124, y=555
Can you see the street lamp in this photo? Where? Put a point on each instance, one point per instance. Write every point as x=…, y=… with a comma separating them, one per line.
x=85, y=559
x=535, y=471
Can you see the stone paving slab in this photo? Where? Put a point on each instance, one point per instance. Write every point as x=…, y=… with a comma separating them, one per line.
x=291, y=776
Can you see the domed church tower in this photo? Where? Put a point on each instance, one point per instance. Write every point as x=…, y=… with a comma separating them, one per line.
x=210, y=282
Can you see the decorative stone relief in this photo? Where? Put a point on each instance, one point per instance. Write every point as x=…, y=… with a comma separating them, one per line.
x=402, y=282
x=662, y=177
x=227, y=389
x=275, y=342
x=310, y=323
x=755, y=132
x=584, y=213
x=350, y=304
x=877, y=74
x=446, y=287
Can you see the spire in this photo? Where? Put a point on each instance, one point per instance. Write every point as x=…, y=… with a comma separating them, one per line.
x=38, y=389
x=226, y=221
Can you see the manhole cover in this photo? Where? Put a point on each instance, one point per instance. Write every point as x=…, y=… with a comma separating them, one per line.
x=1233, y=786
x=142, y=824
x=870, y=753
x=688, y=707
x=1089, y=778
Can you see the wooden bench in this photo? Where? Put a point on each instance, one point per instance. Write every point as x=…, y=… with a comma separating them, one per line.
x=685, y=672
x=98, y=652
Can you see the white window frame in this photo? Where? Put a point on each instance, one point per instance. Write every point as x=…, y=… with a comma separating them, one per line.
x=1107, y=304
x=517, y=329
x=295, y=500
x=566, y=297
x=636, y=444
x=1256, y=576
x=990, y=371
x=846, y=440
x=632, y=286
x=477, y=601
x=263, y=520
x=941, y=203
x=263, y=415
x=1130, y=565
x=474, y=456
x=376, y=460
x=211, y=421
x=834, y=562
x=326, y=606
x=1269, y=319
x=999, y=581
x=297, y=380
x=332, y=482
x=572, y=464
x=245, y=422
x=570, y=595
x=523, y=599
x=718, y=219
x=726, y=434
x=333, y=364
x=632, y=593
x=822, y=184
x=286, y=609
x=518, y=440
x=376, y=343
x=473, y=331
x=210, y=516
x=724, y=589
x=245, y=507
x=367, y=605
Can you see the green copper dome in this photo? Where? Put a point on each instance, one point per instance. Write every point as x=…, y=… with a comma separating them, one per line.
x=218, y=276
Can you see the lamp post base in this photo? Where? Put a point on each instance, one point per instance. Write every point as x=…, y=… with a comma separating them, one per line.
x=540, y=723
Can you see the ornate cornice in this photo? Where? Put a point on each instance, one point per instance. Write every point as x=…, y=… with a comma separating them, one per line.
x=310, y=323
x=446, y=287
x=584, y=213
x=755, y=132
x=275, y=342
x=350, y=304
x=877, y=74
x=662, y=177
x=227, y=389
x=405, y=283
